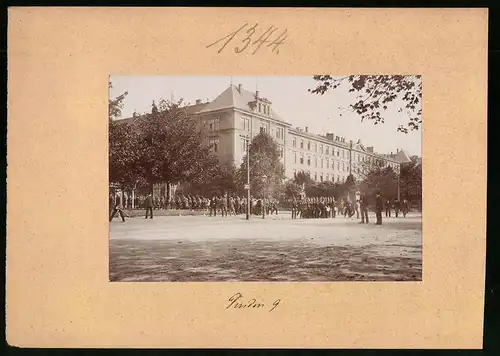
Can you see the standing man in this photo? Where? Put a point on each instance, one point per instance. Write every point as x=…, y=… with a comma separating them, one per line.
x=405, y=207
x=363, y=206
x=149, y=205
x=213, y=206
x=378, y=208
x=358, y=207
x=397, y=206
x=388, y=208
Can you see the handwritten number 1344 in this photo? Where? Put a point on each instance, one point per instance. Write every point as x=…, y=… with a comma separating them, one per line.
x=248, y=39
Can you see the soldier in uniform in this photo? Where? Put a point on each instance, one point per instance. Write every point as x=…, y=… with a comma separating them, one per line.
x=294, y=209
x=223, y=205
x=275, y=207
x=230, y=201
x=363, y=207
x=397, y=206
x=117, y=209
x=388, y=208
x=378, y=208
x=405, y=207
x=213, y=206
x=149, y=206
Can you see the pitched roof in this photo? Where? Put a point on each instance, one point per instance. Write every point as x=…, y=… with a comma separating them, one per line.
x=400, y=157
x=232, y=97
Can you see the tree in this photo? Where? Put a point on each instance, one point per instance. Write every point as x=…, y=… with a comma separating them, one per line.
x=115, y=105
x=383, y=180
x=164, y=146
x=124, y=159
x=376, y=93
x=411, y=179
x=172, y=148
x=220, y=179
x=264, y=161
x=292, y=190
x=303, y=179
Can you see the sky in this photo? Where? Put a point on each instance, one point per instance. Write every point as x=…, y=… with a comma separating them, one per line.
x=290, y=100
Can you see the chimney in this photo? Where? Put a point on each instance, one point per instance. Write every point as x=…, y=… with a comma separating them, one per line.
x=239, y=88
x=370, y=149
x=307, y=129
x=329, y=136
x=256, y=93
x=198, y=101
x=397, y=150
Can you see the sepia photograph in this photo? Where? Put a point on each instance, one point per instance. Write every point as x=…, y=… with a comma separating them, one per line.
x=265, y=179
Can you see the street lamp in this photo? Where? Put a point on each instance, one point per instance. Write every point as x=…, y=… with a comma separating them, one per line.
x=399, y=174
x=247, y=186
x=264, y=177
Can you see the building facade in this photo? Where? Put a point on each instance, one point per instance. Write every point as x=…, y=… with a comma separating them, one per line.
x=237, y=115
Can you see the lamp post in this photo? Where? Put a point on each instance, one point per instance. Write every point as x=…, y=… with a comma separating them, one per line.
x=247, y=142
x=399, y=174
x=264, y=177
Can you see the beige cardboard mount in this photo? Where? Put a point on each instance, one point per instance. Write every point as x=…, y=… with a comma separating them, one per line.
x=58, y=293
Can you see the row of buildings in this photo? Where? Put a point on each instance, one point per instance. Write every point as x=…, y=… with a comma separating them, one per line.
x=237, y=115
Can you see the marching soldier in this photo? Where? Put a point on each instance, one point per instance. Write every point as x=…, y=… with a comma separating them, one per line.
x=117, y=209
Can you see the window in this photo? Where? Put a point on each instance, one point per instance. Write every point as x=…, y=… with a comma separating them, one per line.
x=302, y=144
x=245, y=124
x=321, y=149
x=264, y=127
x=316, y=162
x=315, y=176
x=359, y=159
x=308, y=173
x=333, y=178
x=338, y=153
x=338, y=166
x=343, y=154
x=214, y=144
x=294, y=142
x=315, y=147
x=321, y=177
x=327, y=163
x=322, y=163
x=309, y=145
x=280, y=133
x=294, y=173
x=213, y=124
x=295, y=157
x=338, y=178
x=301, y=158
x=327, y=151
x=281, y=152
x=327, y=177
x=243, y=145
x=259, y=107
x=308, y=160
x=343, y=166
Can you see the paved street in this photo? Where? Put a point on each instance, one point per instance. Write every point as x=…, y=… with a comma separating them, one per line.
x=201, y=248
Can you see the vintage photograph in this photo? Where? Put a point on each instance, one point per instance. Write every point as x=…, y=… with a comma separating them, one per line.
x=270, y=178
